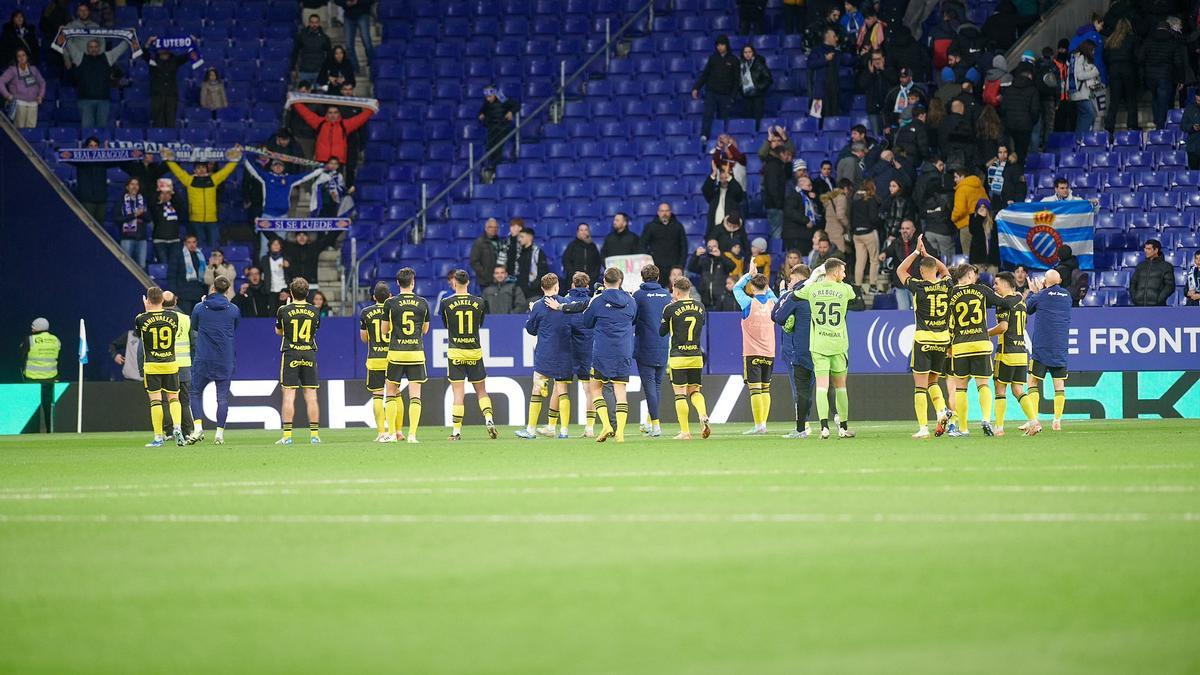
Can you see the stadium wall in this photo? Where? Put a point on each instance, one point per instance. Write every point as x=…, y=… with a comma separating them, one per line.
x=121, y=406
x=52, y=265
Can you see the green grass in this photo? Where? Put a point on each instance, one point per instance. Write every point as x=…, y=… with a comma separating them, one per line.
x=1076, y=552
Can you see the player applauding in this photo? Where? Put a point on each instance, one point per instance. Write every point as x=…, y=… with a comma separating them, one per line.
x=683, y=320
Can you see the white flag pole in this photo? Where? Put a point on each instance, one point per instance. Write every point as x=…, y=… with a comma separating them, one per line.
x=79, y=400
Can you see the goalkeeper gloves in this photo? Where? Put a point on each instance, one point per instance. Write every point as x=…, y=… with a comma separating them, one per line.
x=790, y=324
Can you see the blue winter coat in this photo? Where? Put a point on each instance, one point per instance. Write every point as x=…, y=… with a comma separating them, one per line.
x=650, y=348
x=215, y=322
x=795, y=344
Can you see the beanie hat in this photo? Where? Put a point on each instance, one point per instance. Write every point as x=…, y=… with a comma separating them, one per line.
x=759, y=243
x=40, y=324
x=1027, y=56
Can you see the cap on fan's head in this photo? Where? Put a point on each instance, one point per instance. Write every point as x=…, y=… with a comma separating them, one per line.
x=1027, y=56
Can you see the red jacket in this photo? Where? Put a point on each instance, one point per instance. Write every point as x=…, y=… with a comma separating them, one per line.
x=331, y=138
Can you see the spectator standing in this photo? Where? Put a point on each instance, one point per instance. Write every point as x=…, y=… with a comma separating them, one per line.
x=18, y=34
x=823, y=250
x=332, y=131
x=274, y=266
x=76, y=47
x=189, y=276
x=164, y=85
x=502, y=295
x=733, y=242
x=894, y=209
x=133, y=222
x=866, y=226
x=800, y=208
x=496, y=113
x=622, y=240
x=664, y=240
x=836, y=204
x=335, y=72
x=825, y=85
x=1120, y=55
x=968, y=190
x=1049, y=82
x=254, y=299
x=1190, y=124
x=756, y=81
x=217, y=267
x=750, y=16
x=912, y=136
x=285, y=143
x=1192, y=288
x=54, y=16
x=202, y=193
x=776, y=174
x=93, y=75
x=714, y=268
x=1164, y=64
x=303, y=254
x=310, y=51
x=1020, y=108
x=1153, y=282
x=851, y=166
x=900, y=101
x=898, y=250
x=305, y=136
x=985, y=240
x=508, y=256
x=485, y=252
x=212, y=92
x=794, y=17
x=91, y=185
x=23, y=87
x=582, y=255
x=693, y=293
x=719, y=80
x=531, y=264
x=169, y=217
x=1002, y=172
x=358, y=24
x=1085, y=83
x=724, y=196
x=728, y=154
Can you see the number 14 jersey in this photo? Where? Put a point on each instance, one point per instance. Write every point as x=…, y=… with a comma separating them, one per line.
x=299, y=322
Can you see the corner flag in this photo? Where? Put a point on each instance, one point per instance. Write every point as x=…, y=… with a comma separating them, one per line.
x=83, y=345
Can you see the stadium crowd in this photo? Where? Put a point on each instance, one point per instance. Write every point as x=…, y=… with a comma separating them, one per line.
x=950, y=129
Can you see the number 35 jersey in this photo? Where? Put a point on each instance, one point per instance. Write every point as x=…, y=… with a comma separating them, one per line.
x=157, y=332
x=968, y=318
x=299, y=322
x=828, y=300
x=407, y=313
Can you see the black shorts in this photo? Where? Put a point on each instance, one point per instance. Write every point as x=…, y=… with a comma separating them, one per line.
x=471, y=370
x=1006, y=374
x=298, y=369
x=971, y=365
x=928, y=358
x=1039, y=371
x=681, y=377
x=757, y=369
x=375, y=380
x=168, y=382
x=415, y=373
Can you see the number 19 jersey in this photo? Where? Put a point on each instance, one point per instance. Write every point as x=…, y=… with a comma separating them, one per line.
x=157, y=329
x=828, y=300
x=408, y=313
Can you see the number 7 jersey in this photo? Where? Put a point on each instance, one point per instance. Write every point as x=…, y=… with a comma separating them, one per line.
x=828, y=301
x=299, y=322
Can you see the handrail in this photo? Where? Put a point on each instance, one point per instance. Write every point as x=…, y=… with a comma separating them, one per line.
x=522, y=120
x=73, y=202
x=1060, y=21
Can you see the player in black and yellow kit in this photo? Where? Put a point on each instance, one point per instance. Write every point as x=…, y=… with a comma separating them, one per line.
x=683, y=320
x=1012, y=358
x=463, y=313
x=931, y=339
x=297, y=322
x=157, y=329
x=970, y=345
x=371, y=323
x=407, y=317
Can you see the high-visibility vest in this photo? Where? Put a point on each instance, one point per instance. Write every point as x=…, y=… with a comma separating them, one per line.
x=183, y=341
x=42, y=363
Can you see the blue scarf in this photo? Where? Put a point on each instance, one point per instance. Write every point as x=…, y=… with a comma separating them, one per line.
x=129, y=208
x=178, y=44
x=193, y=273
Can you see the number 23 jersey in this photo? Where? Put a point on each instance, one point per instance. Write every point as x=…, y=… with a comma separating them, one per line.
x=968, y=318
x=299, y=322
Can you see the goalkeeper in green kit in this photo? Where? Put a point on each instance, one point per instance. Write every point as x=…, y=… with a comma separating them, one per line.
x=828, y=297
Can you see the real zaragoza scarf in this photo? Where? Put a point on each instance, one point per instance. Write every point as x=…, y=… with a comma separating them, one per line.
x=127, y=34
x=322, y=99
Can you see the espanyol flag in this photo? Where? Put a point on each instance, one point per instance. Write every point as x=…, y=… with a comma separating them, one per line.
x=83, y=345
x=1031, y=232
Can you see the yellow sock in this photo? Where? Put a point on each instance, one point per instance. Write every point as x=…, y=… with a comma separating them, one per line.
x=921, y=405
x=456, y=415
x=287, y=429
x=485, y=407
x=681, y=411
x=764, y=403
x=1001, y=408
x=698, y=404
x=313, y=429
x=389, y=414
x=414, y=415
x=176, y=412
x=602, y=413
x=756, y=405
x=936, y=398
x=156, y=418
x=198, y=425
x=960, y=407
x=1060, y=402
x=591, y=417
x=398, y=415
x=564, y=412
x=377, y=408
x=1028, y=405
x=1035, y=399
x=654, y=424
x=986, y=398
x=553, y=412
x=535, y=409
x=622, y=418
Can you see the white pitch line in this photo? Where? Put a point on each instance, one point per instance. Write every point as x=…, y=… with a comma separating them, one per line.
x=612, y=489
x=701, y=473
x=589, y=518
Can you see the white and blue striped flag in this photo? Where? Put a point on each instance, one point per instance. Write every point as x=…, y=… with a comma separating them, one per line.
x=1031, y=232
x=83, y=345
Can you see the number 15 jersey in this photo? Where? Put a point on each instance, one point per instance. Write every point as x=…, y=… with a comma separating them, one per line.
x=408, y=313
x=299, y=322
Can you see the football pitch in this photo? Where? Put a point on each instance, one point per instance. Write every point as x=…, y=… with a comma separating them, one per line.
x=1071, y=552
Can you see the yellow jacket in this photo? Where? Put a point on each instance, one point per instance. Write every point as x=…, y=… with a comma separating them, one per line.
x=967, y=194
x=202, y=191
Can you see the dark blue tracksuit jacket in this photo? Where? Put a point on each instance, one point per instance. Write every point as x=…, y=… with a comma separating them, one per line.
x=612, y=315
x=581, y=336
x=650, y=349
x=795, y=344
x=552, y=353
x=1051, y=311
